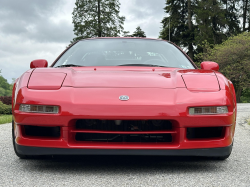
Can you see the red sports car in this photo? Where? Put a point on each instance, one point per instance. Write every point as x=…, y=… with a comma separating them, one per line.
x=123, y=96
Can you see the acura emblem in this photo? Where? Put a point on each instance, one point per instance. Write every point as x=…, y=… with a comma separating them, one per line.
x=124, y=97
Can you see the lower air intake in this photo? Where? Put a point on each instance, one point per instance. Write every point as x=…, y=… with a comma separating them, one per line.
x=96, y=137
x=205, y=133
x=38, y=131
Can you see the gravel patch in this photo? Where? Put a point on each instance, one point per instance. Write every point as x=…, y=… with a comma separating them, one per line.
x=129, y=170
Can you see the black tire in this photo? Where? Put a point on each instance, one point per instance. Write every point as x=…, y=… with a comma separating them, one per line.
x=14, y=144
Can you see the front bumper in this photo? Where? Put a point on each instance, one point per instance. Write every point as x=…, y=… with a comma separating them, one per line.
x=209, y=152
x=103, y=104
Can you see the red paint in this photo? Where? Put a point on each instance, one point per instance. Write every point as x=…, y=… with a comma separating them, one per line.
x=124, y=132
x=46, y=81
x=207, y=83
x=164, y=94
x=210, y=66
x=40, y=63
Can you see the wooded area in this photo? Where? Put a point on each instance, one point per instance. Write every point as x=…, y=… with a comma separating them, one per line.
x=5, y=87
x=191, y=22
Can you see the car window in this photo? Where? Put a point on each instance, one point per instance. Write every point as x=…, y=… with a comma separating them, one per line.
x=122, y=52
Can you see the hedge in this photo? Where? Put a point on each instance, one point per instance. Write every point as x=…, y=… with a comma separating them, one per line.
x=6, y=100
x=5, y=109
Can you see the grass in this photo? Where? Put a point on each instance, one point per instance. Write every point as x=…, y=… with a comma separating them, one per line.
x=5, y=119
x=248, y=121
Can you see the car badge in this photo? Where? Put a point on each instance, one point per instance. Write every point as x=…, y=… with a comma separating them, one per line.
x=124, y=97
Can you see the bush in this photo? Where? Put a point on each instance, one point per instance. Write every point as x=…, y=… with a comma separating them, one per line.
x=6, y=100
x=245, y=96
x=233, y=56
x=5, y=109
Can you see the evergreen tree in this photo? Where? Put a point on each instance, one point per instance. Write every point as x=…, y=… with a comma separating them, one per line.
x=126, y=34
x=180, y=23
x=232, y=17
x=210, y=19
x=139, y=33
x=97, y=18
x=245, y=16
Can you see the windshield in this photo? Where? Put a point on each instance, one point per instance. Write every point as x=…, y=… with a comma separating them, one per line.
x=124, y=52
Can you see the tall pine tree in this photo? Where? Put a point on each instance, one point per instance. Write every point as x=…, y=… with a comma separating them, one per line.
x=97, y=18
x=210, y=19
x=245, y=6
x=139, y=33
x=232, y=17
x=180, y=23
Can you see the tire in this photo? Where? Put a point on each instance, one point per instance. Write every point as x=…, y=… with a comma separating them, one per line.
x=21, y=156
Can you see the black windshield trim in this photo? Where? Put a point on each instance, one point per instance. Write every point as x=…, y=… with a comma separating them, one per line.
x=68, y=65
x=148, y=65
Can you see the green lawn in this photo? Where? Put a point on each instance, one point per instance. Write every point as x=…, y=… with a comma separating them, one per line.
x=5, y=119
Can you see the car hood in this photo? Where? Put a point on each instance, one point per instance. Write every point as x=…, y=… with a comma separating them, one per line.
x=127, y=77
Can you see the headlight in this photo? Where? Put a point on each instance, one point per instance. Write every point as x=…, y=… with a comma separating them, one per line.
x=39, y=109
x=208, y=110
x=46, y=81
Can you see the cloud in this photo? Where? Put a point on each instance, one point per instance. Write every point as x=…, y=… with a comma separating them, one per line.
x=146, y=14
x=34, y=29
x=33, y=20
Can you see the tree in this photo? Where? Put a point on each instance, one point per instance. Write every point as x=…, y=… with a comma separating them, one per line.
x=97, y=18
x=210, y=19
x=5, y=87
x=245, y=15
x=139, y=33
x=233, y=56
x=180, y=23
x=232, y=17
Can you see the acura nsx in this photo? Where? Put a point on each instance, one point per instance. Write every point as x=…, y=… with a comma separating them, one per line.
x=123, y=96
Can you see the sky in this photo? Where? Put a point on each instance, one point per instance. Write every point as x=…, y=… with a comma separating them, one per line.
x=41, y=29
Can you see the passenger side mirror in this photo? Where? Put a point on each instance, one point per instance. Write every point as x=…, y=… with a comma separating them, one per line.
x=41, y=63
x=210, y=66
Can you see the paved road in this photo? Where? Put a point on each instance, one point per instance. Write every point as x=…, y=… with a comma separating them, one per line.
x=129, y=170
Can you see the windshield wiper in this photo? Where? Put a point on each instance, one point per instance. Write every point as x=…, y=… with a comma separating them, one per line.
x=69, y=65
x=149, y=65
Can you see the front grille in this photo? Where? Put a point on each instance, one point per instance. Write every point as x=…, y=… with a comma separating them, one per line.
x=125, y=125
x=138, y=131
x=94, y=137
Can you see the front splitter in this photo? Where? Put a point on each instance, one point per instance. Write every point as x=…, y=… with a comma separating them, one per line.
x=209, y=152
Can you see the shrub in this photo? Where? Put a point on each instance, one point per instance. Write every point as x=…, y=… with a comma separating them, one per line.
x=245, y=97
x=5, y=109
x=6, y=100
x=233, y=56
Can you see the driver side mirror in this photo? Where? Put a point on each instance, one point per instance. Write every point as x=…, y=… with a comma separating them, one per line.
x=210, y=66
x=41, y=63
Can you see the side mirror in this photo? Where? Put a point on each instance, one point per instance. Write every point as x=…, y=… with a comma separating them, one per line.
x=210, y=66
x=41, y=63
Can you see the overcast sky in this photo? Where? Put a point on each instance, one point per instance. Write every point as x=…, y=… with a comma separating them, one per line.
x=41, y=29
